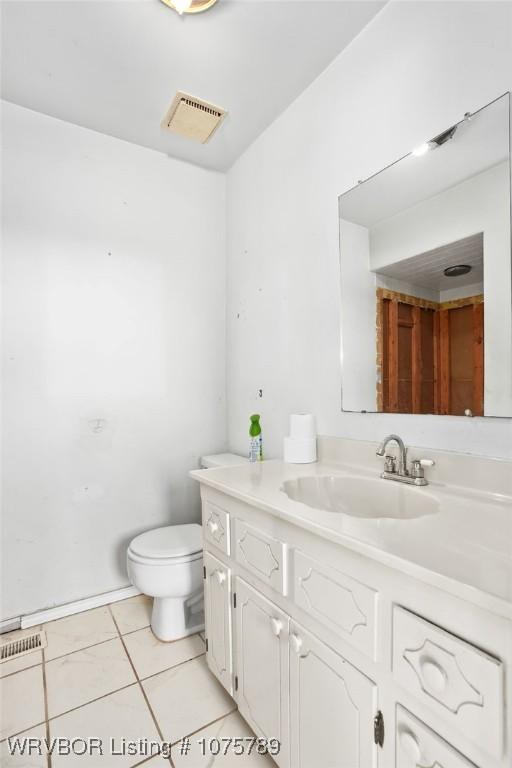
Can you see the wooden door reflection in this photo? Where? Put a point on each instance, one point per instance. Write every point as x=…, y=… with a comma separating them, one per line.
x=430, y=355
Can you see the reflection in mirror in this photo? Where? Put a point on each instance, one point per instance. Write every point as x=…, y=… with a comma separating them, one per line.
x=426, y=278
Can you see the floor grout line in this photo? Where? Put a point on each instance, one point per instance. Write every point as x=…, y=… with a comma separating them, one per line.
x=174, y=666
x=202, y=728
x=45, y=696
x=92, y=701
x=192, y=733
x=18, y=733
x=164, y=642
x=31, y=666
x=85, y=648
x=152, y=757
x=116, y=625
x=157, y=726
x=132, y=631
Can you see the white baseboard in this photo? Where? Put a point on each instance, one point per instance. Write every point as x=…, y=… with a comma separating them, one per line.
x=77, y=606
x=9, y=625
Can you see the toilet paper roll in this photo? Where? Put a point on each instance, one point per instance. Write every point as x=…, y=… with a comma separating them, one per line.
x=299, y=451
x=302, y=425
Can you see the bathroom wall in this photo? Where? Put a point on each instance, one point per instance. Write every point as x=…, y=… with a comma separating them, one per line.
x=417, y=68
x=114, y=325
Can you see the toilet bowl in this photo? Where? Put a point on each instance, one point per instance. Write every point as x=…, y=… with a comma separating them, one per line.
x=167, y=564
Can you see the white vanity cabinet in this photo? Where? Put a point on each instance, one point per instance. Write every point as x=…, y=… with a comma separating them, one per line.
x=347, y=662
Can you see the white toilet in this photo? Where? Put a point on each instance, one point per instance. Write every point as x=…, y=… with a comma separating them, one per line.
x=167, y=564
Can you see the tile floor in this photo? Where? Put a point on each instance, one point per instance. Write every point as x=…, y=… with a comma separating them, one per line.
x=104, y=675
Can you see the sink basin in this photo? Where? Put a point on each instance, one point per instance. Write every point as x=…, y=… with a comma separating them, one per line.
x=361, y=496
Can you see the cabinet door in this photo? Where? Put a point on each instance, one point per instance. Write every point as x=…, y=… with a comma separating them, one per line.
x=217, y=603
x=332, y=707
x=262, y=666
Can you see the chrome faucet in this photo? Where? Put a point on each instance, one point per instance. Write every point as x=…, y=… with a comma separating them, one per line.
x=397, y=470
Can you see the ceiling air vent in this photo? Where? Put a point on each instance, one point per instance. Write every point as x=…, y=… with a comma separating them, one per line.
x=194, y=118
x=28, y=644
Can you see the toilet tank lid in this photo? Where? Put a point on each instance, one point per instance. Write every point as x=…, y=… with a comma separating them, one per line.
x=221, y=460
x=171, y=541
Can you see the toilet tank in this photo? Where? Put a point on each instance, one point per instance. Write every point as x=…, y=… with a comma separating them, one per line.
x=222, y=460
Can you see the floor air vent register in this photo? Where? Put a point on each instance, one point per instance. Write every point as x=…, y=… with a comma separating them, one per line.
x=22, y=646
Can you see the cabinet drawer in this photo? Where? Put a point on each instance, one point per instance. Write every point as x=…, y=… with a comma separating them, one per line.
x=344, y=605
x=458, y=681
x=216, y=526
x=262, y=555
x=417, y=745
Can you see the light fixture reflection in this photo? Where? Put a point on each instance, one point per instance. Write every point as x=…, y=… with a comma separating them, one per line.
x=436, y=142
x=421, y=150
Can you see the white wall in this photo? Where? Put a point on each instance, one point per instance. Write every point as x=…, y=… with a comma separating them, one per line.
x=114, y=274
x=415, y=69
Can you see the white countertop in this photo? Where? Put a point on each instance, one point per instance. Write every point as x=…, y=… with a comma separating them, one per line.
x=465, y=548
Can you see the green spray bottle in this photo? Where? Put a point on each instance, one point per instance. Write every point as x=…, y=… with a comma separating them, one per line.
x=255, y=439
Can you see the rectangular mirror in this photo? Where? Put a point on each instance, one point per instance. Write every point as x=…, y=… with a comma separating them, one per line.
x=426, y=278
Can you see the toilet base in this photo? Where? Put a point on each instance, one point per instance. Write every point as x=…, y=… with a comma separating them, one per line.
x=173, y=618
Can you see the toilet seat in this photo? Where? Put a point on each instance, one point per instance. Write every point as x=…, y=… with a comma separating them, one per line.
x=155, y=562
x=172, y=542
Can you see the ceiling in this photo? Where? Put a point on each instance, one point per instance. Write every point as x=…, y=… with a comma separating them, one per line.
x=115, y=65
x=427, y=269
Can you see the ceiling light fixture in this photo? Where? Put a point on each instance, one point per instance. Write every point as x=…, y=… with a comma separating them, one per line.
x=189, y=6
x=457, y=270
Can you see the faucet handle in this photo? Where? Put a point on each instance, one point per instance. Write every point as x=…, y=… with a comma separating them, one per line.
x=417, y=465
x=390, y=464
